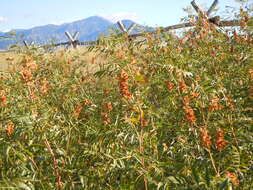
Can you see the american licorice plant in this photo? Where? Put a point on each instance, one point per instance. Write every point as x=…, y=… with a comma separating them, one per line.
x=163, y=113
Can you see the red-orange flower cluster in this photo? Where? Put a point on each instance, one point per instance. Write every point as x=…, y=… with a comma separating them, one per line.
x=32, y=95
x=123, y=84
x=186, y=100
x=78, y=109
x=10, y=128
x=108, y=106
x=215, y=105
x=28, y=68
x=205, y=138
x=106, y=112
x=220, y=141
x=3, y=98
x=229, y=103
x=44, y=87
x=189, y=114
x=233, y=177
x=194, y=94
x=244, y=20
x=182, y=86
x=169, y=85
x=26, y=74
x=143, y=121
x=106, y=119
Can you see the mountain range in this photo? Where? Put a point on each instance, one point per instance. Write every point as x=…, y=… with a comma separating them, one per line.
x=89, y=29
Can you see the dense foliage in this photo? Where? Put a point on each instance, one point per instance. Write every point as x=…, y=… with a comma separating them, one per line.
x=163, y=113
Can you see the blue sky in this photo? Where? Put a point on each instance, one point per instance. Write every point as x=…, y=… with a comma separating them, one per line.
x=16, y=14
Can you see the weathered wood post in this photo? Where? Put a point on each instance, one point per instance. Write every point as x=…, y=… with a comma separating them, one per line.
x=72, y=39
x=201, y=14
x=205, y=15
x=125, y=30
x=213, y=6
x=26, y=44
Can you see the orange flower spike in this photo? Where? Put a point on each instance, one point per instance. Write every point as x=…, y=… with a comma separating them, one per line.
x=220, y=142
x=32, y=95
x=215, y=105
x=108, y=106
x=3, y=98
x=182, y=86
x=235, y=36
x=186, y=100
x=44, y=87
x=232, y=177
x=26, y=74
x=124, y=76
x=29, y=63
x=205, y=138
x=78, y=110
x=169, y=85
x=123, y=84
x=144, y=123
x=189, y=114
x=106, y=118
x=10, y=128
x=32, y=65
x=86, y=102
x=194, y=95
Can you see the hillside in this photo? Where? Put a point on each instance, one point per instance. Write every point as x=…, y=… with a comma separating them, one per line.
x=89, y=29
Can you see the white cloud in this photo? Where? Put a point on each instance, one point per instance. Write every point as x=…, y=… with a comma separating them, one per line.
x=2, y=19
x=121, y=16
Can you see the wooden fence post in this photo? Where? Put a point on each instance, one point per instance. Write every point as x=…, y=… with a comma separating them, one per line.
x=124, y=29
x=213, y=6
x=26, y=44
x=206, y=15
x=72, y=39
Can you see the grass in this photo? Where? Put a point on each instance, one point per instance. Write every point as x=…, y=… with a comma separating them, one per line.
x=7, y=59
x=76, y=56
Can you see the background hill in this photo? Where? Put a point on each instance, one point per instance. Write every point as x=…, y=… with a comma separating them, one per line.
x=89, y=29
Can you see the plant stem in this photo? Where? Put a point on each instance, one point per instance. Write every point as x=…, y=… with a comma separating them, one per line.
x=142, y=159
x=56, y=168
x=213, y=163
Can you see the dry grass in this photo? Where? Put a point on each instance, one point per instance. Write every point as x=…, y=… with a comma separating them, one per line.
x=7, y=59
x=90, y=61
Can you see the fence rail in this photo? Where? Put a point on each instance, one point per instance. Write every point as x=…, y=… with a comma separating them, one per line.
x=74, y=42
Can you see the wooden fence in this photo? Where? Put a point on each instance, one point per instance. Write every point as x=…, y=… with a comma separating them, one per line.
x=74, y=42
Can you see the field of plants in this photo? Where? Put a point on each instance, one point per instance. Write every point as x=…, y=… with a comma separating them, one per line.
x=165, y=113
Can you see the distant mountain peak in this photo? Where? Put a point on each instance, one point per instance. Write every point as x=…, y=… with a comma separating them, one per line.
x=89, y=29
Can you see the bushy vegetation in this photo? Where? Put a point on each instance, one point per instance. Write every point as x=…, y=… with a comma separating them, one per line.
x=165, y=113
